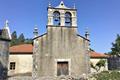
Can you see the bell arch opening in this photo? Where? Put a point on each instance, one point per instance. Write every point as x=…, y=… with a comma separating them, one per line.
x=68, y=19
x=56, y=18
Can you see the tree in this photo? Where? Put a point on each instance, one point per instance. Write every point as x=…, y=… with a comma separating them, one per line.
x=21, y=39
x=116, y=46
x=28, y=41
x=14, y=35
x=99, y=65
x=92, y=66
x=14, y=40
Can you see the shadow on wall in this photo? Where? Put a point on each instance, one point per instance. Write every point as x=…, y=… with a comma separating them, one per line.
x=3, y=72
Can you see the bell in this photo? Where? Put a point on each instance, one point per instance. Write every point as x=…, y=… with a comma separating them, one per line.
x=67, y=22
x=56, y=19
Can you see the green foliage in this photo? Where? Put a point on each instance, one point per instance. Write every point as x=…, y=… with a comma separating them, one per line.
x=98, y=65
x=106, y=75
x=14, y=35
x=116, y=46
x=92, y=66
x=14, y=40
x=19, y=40
x=28, y=41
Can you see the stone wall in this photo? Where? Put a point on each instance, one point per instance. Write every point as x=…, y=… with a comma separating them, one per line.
x=60, y=43
x=4, y=55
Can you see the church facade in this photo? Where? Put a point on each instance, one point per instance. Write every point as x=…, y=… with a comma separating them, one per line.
x=61, y=51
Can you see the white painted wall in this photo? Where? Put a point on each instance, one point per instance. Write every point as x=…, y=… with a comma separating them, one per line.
x=23, y=63
x=95, y=60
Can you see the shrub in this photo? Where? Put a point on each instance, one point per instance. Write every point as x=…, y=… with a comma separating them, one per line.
x=107, y=75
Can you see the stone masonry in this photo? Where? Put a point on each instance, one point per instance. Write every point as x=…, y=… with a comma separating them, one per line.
x=4, y=52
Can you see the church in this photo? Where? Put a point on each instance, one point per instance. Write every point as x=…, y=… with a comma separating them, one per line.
x=61, y=51
x=59, y=54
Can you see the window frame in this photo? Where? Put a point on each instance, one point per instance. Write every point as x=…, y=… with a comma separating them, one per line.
x=12, y=66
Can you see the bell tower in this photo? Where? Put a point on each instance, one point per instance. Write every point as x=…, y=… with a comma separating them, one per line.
x=62, y=16
x=60, y=52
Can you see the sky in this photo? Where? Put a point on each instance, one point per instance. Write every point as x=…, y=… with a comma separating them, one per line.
x=102, y=17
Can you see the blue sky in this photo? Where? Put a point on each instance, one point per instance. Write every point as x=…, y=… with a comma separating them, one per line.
x=102, y=17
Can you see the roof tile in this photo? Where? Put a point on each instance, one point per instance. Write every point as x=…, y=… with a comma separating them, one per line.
x=97, y=55
x=23, y=48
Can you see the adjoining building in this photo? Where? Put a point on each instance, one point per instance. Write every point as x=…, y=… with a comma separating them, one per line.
x=20, y=60
x=95, y=57
x=4, y=51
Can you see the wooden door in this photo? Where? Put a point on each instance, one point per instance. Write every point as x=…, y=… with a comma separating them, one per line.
x=62, y=68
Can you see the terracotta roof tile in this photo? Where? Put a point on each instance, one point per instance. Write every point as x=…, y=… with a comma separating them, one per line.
x=23, y=48
x=97, y=55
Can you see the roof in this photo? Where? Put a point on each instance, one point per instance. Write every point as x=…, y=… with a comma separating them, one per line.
x=97, y=55
x=83, y=37
x=46, y=33
x=39, y=36
x=3, y=35
x=62, y=6
x=23, y=48
x=5, y=32
x=28, y=48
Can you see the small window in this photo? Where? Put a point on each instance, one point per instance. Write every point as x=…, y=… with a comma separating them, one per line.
x=62, y=68
x=12, y=65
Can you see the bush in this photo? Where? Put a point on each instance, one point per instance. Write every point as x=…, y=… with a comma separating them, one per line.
x=107, y=75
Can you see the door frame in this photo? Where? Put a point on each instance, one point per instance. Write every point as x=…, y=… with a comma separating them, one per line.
x=63, y=60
